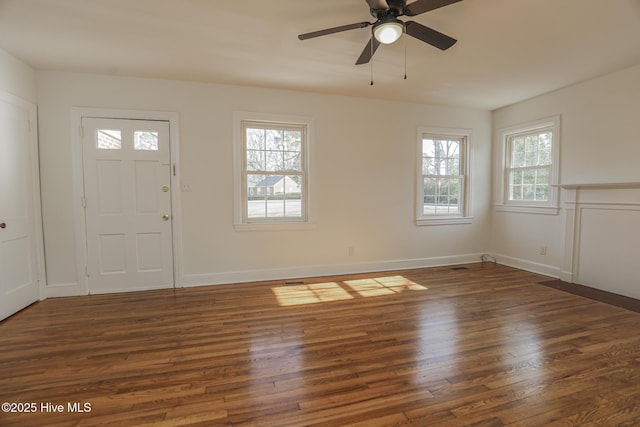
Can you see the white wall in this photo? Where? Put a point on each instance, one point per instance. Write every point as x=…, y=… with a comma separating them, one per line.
x=17, y=78
x=364, y=178
x=600, y=143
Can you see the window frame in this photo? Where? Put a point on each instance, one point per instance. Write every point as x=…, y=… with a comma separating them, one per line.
x=241, y=220
x=505, y=136
x=463, y=217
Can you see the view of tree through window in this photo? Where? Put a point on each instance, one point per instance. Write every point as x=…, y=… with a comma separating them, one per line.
x=145, y=140
x=442, y=175
x=529, y=168
x=274, y=171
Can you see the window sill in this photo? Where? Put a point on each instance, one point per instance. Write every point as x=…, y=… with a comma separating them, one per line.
x=538, y=210
x=444, y=221
x=283, y=226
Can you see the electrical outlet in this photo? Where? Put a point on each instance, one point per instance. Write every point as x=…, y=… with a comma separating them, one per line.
x=543, y=250
x=351, y=251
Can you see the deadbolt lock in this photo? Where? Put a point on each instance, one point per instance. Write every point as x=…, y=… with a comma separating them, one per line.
x=165, y=189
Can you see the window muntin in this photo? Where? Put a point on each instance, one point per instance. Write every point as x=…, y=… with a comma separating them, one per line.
x=442, y=183
x=274, y=172
x=529, y=162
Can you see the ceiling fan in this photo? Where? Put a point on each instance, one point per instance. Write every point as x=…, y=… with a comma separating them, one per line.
x=388, y=28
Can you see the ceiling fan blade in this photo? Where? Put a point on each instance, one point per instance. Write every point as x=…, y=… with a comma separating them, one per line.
x=378, y=4
x=422, y=6
x=429, y=35
x=333, y=30
x=368, y=51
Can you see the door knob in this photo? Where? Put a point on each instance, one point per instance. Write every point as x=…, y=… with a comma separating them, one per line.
x=3, y=225
x=165, y=217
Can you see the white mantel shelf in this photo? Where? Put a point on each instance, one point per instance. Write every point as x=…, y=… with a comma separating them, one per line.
x=599, y=185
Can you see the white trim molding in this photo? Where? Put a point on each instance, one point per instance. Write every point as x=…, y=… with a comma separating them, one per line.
x=523, y=264
x=239, y=192
x=77, y=113
x=55, y=290
x=500, y=160
x=594, y=199
x=465, y=202
x=191, y=280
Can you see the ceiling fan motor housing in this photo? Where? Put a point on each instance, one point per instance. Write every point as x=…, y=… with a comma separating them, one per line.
x=397, y=6
x=395, y=9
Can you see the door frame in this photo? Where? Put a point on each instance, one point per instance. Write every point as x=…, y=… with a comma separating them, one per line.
x=34, y=158
x=77, y=114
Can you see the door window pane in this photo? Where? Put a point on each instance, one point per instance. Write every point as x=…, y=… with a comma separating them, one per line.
x=108, y=139
x=144, y=140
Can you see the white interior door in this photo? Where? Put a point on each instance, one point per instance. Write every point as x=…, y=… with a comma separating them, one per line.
x=127, y=179
x=18, y=188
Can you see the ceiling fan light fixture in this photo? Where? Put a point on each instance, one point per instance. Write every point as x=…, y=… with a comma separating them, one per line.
x=389, y=31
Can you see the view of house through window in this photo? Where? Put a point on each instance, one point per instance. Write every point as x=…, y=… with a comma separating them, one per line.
x=443, y=175
x=108, y=139
x=274, y=171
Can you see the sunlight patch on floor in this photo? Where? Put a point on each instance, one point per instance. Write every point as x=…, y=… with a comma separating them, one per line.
x=310, y=294
x=350, y=289
x=383, y=286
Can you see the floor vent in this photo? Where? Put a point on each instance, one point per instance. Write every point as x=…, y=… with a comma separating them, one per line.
x=459, y=268
x=300, y=282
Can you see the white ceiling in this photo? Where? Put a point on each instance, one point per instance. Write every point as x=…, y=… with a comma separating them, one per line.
x=507, y=50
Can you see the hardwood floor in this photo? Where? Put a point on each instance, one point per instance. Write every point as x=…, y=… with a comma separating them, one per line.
x=474, y=345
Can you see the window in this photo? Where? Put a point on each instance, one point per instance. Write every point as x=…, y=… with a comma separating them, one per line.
x=272, y=156
x=442, y=188
x=530, y=167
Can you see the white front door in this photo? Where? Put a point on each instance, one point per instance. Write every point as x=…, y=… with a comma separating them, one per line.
x=18, y=190
x=127, y=179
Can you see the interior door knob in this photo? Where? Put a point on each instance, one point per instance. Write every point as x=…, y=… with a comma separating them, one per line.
x=165, y=217
x=3, y=225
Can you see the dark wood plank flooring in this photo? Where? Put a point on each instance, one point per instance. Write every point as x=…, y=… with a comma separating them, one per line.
x=485, y=345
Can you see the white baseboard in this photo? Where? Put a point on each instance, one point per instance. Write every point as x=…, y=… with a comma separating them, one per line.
x=191, y=280
x=566, y=276
x=534, y=267
x=63, y=290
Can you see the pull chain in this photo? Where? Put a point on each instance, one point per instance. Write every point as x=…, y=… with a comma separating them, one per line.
x=404, y=36
x=371, y=57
